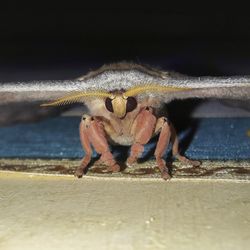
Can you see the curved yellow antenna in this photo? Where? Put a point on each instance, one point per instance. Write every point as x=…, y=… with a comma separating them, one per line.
x=77, y=97
x=153, y=88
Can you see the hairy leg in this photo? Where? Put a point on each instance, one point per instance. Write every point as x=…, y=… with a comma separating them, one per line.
x=92, y=133
x=144, y=127
x=142, y=131
x=87, y=149
x=163, y=127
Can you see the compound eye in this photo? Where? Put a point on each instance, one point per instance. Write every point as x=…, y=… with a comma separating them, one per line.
x=108, y=105
x=84, y=117
x=131, y=104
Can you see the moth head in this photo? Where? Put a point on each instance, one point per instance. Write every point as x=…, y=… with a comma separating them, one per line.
x=120, y=104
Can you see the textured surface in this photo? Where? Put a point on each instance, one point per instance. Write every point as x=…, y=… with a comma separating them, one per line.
x=228, y=170
x=223, y=139
x=64, y=213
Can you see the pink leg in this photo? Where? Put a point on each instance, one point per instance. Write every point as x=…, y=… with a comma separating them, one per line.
x=87, y=148
x=162, y=144
x=168, y=132
x=142, y=130
x=92, y=133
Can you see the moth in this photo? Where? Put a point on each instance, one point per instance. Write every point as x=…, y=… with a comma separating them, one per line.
x=125, y=105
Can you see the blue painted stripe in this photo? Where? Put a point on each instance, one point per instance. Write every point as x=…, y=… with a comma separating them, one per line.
x=215, y=139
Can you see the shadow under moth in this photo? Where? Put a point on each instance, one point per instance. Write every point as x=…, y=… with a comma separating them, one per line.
x=125, y=105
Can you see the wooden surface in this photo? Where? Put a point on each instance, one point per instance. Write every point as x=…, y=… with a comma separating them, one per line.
x=42, y=212
x=224, y=170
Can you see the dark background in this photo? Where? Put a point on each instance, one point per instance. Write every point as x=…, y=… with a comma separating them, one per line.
x=64, y=40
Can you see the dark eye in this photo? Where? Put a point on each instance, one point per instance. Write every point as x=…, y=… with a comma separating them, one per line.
x=108, y=105
x=131, y=104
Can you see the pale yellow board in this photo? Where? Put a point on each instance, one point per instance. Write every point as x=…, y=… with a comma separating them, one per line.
x=61, y=212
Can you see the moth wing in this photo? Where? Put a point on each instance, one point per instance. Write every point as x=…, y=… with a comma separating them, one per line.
x=237, y=88
x=20, y=102
x=193, y=87
x=39, y=91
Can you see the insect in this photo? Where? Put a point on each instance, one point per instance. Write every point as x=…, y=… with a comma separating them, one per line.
x=125, y=107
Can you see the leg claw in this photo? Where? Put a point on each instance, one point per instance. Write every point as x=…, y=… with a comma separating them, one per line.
x=165, y=176
x=196, y=163
x=115, y=168
x=130, y=161
x=185, y=160
x=79, y=172
x=130, y=165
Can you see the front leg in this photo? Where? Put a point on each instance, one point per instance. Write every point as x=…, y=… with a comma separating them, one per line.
x=144, y=127
x=92, y=133
x=142, y=130
x=163, y=127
